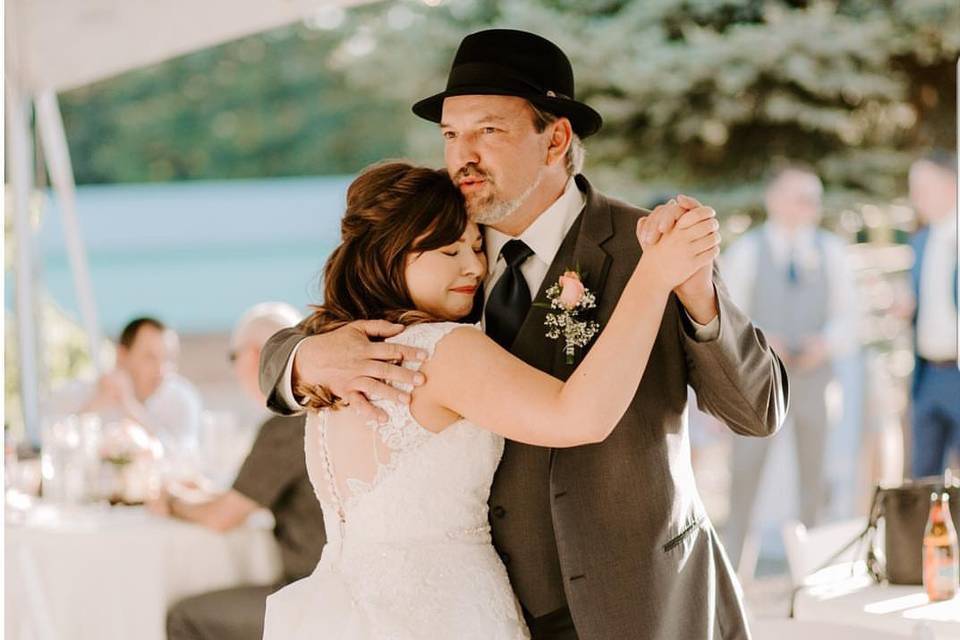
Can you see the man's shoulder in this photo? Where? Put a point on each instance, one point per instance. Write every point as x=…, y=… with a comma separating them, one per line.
x=833, y=242
x=277, y=425
x=620, y=208
x=623, y=218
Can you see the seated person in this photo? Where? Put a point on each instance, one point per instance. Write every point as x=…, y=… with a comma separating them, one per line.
x=143, y=387
x=273, y=476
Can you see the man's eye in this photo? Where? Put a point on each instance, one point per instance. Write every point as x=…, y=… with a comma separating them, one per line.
x=490, y=129
x=449, y=135
x=451, y=254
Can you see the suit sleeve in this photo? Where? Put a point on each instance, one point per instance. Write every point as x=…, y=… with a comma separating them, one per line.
x=737, y=376
x=273, y=362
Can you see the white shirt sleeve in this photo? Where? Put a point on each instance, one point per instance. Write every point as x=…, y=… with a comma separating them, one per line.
x=705, y=332
x=739, y=267
x=174, y=413
x=843, y=311
x=286, y=383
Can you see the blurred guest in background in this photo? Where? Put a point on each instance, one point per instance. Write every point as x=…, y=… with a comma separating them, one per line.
x=794, y=279
x=143, y=387
x=273, y=476
x=935, y=393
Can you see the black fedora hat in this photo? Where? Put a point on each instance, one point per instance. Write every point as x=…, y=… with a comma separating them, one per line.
x=507, y=62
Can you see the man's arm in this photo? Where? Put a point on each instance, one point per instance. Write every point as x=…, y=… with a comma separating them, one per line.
x=737, y=377
x=274, y=358
x=222, y=513
x=345, y=361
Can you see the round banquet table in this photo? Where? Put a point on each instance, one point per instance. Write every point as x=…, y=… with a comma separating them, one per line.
x=101, y=572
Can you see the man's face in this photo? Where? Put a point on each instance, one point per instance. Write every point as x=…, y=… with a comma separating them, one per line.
x=933, y=191
x=246, y=367
x=795, y=200
x=149, y=359
x=493, y=153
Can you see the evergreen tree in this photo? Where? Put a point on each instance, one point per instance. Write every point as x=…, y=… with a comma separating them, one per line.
x=703, y=96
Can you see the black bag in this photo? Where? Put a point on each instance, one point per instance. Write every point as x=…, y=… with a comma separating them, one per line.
x=904, y=510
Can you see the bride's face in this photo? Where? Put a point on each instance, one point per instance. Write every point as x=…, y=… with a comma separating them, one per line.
x=442, y=281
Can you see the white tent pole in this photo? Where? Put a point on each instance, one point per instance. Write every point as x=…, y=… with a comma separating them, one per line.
x=57, y=155
x=21, y=173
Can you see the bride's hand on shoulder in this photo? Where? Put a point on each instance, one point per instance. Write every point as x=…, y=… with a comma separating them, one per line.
x=693, y=243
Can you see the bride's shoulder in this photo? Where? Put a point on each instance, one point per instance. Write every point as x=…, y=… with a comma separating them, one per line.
x=426, y=335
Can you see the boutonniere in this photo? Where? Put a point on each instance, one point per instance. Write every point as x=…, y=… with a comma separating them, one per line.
x=567, y=299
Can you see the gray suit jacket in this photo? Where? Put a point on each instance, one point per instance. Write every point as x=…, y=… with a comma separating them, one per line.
x=617, y=530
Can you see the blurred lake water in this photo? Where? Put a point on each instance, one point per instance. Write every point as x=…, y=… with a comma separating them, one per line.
x=196, y=254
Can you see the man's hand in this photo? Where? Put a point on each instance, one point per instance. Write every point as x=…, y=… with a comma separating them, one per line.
x=697, y=293
x=354, y=368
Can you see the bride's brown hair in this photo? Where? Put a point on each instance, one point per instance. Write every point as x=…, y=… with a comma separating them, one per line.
x=393, y=209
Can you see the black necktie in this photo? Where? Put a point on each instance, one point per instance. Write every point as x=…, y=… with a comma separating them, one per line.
x=509, y=300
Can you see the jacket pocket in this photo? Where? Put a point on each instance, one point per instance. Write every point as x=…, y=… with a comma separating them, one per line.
x=688, y=531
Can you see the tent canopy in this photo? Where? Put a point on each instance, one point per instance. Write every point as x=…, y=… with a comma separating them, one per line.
x=64, y=44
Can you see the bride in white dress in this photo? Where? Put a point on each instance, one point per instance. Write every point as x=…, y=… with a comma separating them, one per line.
x=408, y=553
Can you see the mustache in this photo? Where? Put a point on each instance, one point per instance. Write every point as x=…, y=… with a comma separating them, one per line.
x=471, y=171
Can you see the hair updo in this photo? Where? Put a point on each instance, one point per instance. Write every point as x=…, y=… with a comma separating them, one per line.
x=393, y=209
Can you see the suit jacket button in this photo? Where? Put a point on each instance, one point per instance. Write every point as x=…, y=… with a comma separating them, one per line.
x=499, y=511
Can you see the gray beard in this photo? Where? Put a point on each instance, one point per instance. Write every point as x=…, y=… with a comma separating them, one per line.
x=497, y=210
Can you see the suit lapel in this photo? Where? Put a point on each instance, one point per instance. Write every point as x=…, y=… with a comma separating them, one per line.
x=581, y=248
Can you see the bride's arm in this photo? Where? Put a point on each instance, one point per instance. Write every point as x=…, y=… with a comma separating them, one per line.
x=474, y=377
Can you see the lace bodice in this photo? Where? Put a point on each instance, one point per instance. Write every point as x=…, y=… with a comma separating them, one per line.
x=408, y=552
x=381, y=481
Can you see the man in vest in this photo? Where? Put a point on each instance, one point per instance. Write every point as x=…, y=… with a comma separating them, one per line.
x=935, y=393
x=793, y=278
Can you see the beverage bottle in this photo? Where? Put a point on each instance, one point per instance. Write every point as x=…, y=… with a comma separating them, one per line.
x=940, y=553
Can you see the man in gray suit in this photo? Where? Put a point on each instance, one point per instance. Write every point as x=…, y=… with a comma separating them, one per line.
x=602, y=541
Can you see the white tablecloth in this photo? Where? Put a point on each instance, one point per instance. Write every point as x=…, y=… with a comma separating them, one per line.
x=105, y=573
x=833, y=595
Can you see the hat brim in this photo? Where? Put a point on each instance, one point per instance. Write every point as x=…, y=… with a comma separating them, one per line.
x=584, y=120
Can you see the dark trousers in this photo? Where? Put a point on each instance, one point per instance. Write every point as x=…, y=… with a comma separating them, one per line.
x=230, y=614
x=556, y=625
x=935, y=414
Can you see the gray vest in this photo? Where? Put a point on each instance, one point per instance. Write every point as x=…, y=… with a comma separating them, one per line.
x=794, y=311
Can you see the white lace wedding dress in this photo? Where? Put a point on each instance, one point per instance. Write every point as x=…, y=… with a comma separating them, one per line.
x=408, y=553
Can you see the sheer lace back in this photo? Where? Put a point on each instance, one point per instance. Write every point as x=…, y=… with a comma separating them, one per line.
x=408, y=551
x=347, y=457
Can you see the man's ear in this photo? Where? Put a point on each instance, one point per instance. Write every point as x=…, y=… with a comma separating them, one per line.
x=561, y=137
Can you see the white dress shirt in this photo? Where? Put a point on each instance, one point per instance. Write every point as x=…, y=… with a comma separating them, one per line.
x=173, y=410
x=936, y=313
x=739, y=264
x=544, y=237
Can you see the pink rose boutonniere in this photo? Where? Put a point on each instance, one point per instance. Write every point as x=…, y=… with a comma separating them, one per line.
x=567, y=298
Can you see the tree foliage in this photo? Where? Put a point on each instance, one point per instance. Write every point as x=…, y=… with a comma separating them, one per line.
x=696, y=94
